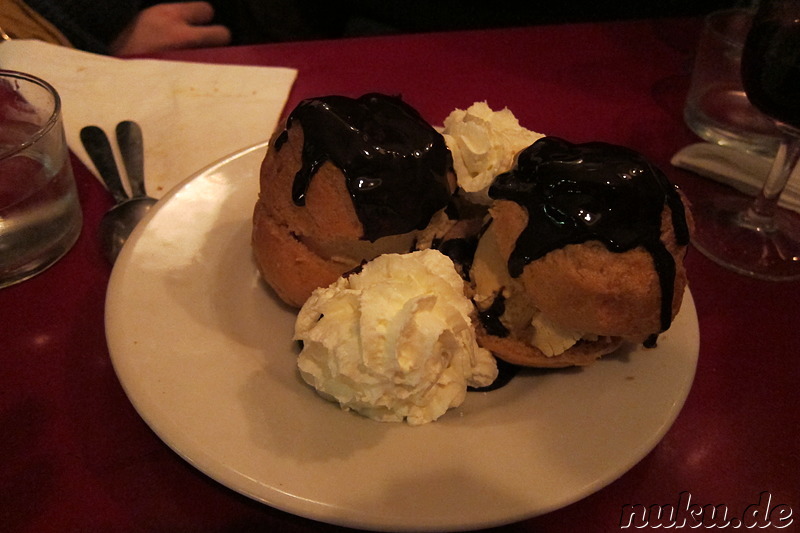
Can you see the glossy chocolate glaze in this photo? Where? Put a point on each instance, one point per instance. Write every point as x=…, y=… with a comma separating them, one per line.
x=574, y=193
x=394, y=162
x=490, y=317
x=461, y=251
x=505, y=373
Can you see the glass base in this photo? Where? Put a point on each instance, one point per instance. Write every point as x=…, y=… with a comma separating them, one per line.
x=725, y=117
x=40, y=264
x=726, y=234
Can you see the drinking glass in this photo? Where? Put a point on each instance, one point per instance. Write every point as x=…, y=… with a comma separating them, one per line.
x=756, y=237
x=717, y=109
x=40, y=216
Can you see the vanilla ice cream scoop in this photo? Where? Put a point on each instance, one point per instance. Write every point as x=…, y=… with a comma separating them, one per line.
x=484, y=144
x=394, y=341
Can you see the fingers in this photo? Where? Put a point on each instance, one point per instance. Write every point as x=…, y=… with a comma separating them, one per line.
x=202, y=36
x=195, y=13
x=171, y=26
x=197, y=32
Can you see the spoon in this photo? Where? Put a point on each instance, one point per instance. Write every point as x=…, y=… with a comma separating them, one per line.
x=118, y=223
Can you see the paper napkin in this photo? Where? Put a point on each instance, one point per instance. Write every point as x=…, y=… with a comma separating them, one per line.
x=191, y=114
x=743, y=171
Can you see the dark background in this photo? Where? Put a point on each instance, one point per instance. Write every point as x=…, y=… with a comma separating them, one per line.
x=288, y=20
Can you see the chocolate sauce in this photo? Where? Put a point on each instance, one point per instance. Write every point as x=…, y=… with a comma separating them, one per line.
x=595, y=191
x=505, y=373
x=394, y=162
x=461, y=250
x=490, y=318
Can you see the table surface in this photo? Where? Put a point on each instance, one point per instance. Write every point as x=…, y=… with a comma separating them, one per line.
x=75, y=456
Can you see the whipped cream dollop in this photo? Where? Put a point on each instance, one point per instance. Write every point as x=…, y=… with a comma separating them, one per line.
x=394, y=341
x=484, y=144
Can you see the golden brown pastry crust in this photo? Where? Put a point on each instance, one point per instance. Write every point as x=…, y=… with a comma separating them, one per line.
x=283, y=232
x=300, y=248
x=585, y=287
x=288, y=265
x=513, y=350
x=328, y=209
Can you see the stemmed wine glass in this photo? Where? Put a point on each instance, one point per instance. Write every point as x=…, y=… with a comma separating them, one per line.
x=757, y=237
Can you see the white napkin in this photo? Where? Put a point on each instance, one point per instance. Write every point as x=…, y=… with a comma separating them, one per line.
x=191, y=114
x=744, y=171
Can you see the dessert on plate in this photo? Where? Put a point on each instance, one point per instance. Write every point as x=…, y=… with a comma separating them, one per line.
x=415, y=257
x=583, y=249
x=344, y=181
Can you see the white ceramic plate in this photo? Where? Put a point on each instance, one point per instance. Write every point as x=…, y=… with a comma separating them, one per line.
x=204, y=352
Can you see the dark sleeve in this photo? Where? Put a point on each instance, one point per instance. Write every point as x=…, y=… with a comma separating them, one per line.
x=89, y=25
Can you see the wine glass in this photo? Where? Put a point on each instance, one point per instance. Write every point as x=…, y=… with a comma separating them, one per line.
x=757, y=237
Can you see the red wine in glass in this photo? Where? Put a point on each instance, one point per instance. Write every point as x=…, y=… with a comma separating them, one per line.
x=771, y=62
x=756, y=237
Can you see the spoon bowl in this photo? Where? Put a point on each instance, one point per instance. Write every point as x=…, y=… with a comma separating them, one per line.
x=118, y=223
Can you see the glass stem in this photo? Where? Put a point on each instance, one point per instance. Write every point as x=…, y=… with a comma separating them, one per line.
x=762, y=211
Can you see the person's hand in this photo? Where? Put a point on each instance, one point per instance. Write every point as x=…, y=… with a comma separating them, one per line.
x=169, y=27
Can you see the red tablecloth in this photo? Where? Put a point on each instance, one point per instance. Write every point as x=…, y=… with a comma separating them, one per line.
x=75, y=456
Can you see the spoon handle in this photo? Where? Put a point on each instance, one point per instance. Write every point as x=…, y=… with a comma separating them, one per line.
x=131, y=146
x=99, y=149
